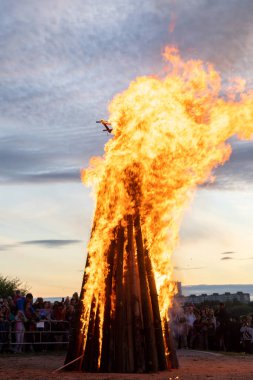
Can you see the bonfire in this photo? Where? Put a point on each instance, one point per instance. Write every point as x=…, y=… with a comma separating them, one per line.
x=169, y=133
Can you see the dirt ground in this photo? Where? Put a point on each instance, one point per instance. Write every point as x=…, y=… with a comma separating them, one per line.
x=194, y=365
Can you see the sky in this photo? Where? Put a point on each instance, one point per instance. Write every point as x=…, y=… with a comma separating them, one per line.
x=61, y=62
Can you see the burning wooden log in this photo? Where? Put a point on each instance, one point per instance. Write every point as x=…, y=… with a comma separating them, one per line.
x=150, y=350
x=134, y=321
x=156, y=314
x=131, y=338
x=105, y=350
x=124, y=332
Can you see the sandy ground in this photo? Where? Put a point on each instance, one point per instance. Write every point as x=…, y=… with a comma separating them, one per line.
x=193, y=365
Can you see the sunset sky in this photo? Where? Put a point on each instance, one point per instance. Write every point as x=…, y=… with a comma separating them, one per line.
x=61, y=62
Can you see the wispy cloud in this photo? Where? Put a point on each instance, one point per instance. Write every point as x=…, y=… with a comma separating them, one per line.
x=236, y=174
x=237, y=259
x=50, y=243
x=202, y=28
x=47, y=243
x=74, y=65
x=227, y=258
x=227, y=253
x=46, y=177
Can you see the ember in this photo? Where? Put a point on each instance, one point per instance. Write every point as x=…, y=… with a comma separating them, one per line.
x=169, y=133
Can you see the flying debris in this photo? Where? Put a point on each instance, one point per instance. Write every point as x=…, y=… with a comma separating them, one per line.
x=106, y=125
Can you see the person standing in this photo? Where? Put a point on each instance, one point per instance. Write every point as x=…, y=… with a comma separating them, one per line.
x=190, y=319
x=247, y=336
x=20, y=320
x=222, y=329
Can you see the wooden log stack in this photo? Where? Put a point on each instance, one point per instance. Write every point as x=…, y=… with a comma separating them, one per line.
x=134, y=339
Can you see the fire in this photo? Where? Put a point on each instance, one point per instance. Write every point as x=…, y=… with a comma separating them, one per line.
x=169, y=134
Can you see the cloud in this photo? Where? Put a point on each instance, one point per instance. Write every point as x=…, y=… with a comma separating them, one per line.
x=237, y=259
x=78, y=57
x=220, y=32
x=21, y=161
x=80, y=54
x=37, y=178
x=236, y=174
x=227, y=253
x=46, y=243
x=51, y=243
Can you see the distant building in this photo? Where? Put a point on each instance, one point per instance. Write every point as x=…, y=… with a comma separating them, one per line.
x=215, y=297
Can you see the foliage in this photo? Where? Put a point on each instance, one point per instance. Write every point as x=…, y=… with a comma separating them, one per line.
x=235, y=308
x=240, y=309
x=9, y=285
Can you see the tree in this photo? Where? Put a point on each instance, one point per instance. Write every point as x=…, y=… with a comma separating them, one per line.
x=240, y=309
x=9, y=285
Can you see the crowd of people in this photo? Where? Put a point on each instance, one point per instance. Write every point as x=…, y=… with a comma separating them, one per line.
x=26, y=325
x=207, y=328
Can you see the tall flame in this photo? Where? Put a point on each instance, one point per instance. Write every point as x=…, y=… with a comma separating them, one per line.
x=169, y=133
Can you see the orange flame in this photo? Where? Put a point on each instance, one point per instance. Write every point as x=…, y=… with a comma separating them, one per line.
x=169, y=133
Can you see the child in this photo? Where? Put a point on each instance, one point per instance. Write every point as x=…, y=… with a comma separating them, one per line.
x=20, y=320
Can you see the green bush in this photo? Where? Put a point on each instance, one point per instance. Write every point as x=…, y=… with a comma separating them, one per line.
x=9, y=285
